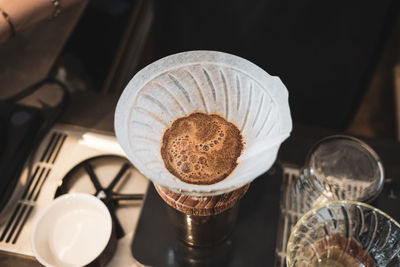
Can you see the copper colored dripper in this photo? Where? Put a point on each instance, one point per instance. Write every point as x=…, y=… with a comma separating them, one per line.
x=202, y=221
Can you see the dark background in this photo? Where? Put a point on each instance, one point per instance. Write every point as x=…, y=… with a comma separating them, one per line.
x=325, y=52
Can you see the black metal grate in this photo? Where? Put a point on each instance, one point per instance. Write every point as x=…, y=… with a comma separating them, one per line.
x=105, y=193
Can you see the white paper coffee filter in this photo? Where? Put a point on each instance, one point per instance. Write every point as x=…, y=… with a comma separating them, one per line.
x=210, y=82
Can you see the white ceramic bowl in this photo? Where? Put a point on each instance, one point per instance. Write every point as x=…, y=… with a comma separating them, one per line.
x=73, y=230
x=213, y=83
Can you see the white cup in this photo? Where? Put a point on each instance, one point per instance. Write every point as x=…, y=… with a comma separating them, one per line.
x=72, y=231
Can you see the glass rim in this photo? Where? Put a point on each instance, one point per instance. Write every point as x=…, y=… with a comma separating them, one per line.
x=319, y=207
x=364, y=145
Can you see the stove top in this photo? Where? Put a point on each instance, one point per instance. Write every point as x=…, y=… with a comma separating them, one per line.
x=72, y=159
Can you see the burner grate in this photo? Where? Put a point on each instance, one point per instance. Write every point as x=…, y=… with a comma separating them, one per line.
x=107, y=191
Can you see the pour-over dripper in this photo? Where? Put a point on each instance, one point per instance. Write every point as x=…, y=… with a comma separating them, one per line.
x=212, y=83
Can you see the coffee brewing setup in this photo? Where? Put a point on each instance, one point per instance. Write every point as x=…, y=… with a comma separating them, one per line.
x=186, y=84
x=244, y=219
x=175, y=90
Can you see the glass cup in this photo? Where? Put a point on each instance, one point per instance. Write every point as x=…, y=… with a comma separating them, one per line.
x=339, y=167
x=344, y=234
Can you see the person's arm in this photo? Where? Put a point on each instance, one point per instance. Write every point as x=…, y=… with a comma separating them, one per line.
x=24, y=13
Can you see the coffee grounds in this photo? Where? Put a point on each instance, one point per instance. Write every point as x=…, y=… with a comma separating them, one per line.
x=201, y=148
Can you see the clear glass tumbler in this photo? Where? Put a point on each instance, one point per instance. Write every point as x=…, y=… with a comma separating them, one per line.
x=339, y=167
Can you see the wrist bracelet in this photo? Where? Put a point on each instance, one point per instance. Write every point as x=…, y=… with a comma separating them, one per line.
x=7, y=18
x=57, y=8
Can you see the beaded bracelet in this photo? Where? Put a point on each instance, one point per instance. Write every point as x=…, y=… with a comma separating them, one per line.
x=57, y=8
x=7, y=18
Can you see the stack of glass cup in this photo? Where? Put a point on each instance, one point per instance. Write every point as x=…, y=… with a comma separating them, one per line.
x=338, y=229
